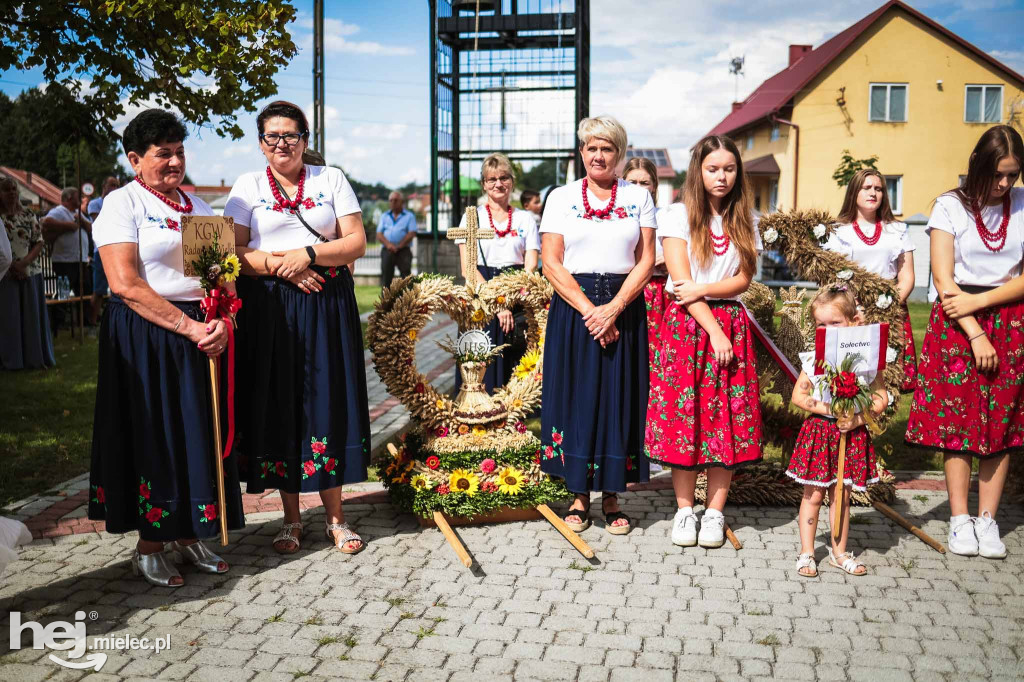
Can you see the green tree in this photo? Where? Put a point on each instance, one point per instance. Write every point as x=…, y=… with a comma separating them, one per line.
x=679, y=180
x=848, y=167
x=543, y=174
x=208, y=59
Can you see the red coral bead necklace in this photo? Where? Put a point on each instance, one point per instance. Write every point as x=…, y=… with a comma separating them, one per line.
x=284, y=202
x=178, y=208
x=719, y=243
x=508, y=228
x=872, y=240
x=604, y=213
x=988, y=237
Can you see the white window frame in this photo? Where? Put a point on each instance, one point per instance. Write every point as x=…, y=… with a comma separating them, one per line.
x=773, y=195
x=750, y=141
x=774, y=136
x=895, y=203
x=983, y=87
x=888, y=101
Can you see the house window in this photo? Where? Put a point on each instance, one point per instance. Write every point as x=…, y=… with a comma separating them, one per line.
x=750, y=141
x=773, y=197
x=983, y=104
x=775, y=133
x=894, y=186
x=888, y=102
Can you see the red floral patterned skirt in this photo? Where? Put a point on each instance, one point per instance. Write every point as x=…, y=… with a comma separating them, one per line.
x=909, y=355
x=699, y=414
x=655, y=299
x=958, y=409
x=815, y=459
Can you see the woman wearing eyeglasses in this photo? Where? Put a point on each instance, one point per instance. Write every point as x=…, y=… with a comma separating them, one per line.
x=516, y=246
x=304, y=422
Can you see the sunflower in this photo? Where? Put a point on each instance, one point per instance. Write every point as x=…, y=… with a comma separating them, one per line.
x=478, y=315
x=230, y=268
x=420, y=482
x=510, y=481
x=479, y=431
x=462, y=481
x=528, y=364
x=439, y=404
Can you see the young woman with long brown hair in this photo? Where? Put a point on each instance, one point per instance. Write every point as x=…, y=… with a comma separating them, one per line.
x=970, y=398
x=871, y=237
x=703, y=411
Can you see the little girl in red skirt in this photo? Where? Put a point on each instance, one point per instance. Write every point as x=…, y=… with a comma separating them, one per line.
x=816, y=455
x=704, y=411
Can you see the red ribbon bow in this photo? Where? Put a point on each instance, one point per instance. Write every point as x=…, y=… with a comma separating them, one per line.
x=221, y=303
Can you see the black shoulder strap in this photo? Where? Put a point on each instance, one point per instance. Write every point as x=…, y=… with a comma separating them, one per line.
x=295, y=212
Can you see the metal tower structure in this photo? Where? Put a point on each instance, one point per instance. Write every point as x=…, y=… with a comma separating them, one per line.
x=514, y=78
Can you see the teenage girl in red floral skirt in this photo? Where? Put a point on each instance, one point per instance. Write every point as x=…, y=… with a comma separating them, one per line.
x=970, y=396
x=870, y=236
x=641, y=171
x=704, y=410
x=815, y=458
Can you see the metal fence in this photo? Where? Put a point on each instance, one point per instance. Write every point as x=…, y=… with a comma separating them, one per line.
x=369, y=264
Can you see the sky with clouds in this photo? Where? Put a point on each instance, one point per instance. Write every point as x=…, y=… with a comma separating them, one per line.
x=661, y=68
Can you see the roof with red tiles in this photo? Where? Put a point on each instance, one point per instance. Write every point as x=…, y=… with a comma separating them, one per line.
x=35, y=183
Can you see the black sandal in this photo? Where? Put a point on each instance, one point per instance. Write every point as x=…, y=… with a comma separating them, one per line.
x=611, y=518
x=580, y=513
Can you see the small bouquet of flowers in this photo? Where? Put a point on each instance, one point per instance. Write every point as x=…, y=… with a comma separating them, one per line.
x=850, y=391
x=216, y=266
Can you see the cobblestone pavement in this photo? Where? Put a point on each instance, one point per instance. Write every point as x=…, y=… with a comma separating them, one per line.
x=532, y=608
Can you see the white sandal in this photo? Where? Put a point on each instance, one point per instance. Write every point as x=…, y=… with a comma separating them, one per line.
x=286, y=536
x=346, y=535
x=849, y=563
x=806, y=561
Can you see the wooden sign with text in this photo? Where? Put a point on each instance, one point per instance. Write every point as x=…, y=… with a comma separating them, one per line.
x=198, y=231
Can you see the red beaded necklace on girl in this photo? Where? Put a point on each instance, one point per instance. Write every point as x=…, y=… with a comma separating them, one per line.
x=989, y=238
x=719, y=243
x=284, y=202
x=870, y=241
x=508, y=228
x=178, y=208
x=604, y=213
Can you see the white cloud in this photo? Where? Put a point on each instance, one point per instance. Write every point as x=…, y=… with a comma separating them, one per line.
x=419, y=175
x=380, y=131
x=1012, y=58
x=336, y=33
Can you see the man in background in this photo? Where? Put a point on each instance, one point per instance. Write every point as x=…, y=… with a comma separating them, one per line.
x=71, y=251
x=395, y=231
x=99, y=278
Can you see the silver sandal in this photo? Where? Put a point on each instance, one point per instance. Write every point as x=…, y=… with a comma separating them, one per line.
x=347, y=535
x=156, y=569
x=200, y=556
x=285, y=535
x=846, y=562
x=806, y=561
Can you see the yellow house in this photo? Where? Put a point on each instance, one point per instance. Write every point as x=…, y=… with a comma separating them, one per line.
x=895, y=85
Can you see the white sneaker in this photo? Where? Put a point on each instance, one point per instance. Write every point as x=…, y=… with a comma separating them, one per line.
x=987, y=532
x=684, y=528
x=712, y=529
x=962, y=539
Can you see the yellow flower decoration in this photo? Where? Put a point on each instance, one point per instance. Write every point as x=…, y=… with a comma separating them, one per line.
x=463, y=429
x=412, y=334
x=439, y=404
x=510, y=481
x=230, y=268
x=517, y=403
x=420, y=482
x=501, y=299
x=527, y=365
x=462, y=481
x=401, y=479
x=479, y=431
x=478, y=315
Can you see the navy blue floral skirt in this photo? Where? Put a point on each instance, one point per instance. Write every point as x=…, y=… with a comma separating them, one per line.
x=594, y=401
x=500, y=370
x=152, y=441
x=303, y=415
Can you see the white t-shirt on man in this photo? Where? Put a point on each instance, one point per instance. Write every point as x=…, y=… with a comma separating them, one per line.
x=132, y=214
x=502, y=252
x=66, y=248
x=673, y=222
x=973, y=263
x=327, y=196
x=601, y=246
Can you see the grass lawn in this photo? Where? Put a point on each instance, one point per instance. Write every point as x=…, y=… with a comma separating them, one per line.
x=46, y=432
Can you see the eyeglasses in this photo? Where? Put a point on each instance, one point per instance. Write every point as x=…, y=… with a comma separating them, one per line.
x=290, y=139
x=491, y=182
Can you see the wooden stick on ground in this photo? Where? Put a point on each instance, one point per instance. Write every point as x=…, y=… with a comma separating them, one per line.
x=453, y=540
x=837, y=517
x=736, y=544
x=570, y=535
x=218, y=451
x=895, y=516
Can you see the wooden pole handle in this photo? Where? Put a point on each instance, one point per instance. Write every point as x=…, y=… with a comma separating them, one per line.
x=452, y=539
x=218, y=451
x=917, y=532
x=736, y=544
x=569, y=534
x=837, y=516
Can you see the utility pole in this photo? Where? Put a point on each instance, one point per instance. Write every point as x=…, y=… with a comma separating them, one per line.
x=318, y=76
